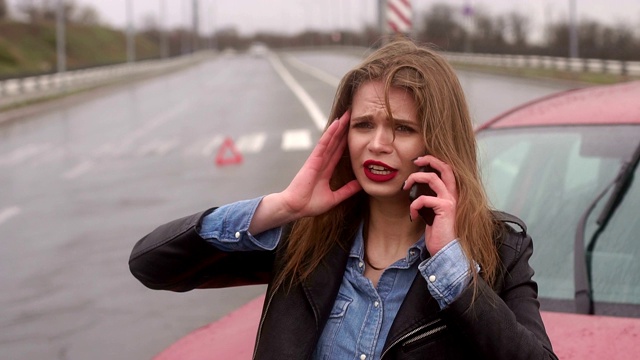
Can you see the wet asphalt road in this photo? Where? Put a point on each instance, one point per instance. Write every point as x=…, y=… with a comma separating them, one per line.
x=80, y=184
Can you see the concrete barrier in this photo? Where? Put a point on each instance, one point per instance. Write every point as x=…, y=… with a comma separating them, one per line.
x=47, y=85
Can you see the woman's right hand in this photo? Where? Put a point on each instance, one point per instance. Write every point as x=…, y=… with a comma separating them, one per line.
x=309, y=193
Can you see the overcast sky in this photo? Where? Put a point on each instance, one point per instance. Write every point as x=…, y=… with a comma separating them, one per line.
x=249, y=16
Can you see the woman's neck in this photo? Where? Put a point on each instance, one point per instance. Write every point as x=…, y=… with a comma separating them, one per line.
x=389, y=229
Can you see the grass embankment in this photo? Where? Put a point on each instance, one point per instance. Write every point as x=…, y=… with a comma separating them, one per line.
x=31, y=48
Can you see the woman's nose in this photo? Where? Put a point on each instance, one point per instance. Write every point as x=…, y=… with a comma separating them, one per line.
x=381, y=140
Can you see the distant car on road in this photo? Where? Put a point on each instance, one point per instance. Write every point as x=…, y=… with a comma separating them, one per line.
x=567, y=165
x=258, y=49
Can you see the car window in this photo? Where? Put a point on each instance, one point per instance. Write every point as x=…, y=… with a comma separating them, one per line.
x=548, y=177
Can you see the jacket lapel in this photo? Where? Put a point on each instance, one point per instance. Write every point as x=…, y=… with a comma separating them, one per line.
x=322, y=286
x=418, y=308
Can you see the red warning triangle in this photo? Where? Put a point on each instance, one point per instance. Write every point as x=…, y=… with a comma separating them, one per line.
x=228, y=154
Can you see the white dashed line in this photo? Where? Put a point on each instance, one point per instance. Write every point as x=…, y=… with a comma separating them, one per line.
x=158, y=147
x=8, y=213
x=78, y=170
x=111, y=150
x=124, y=144
x=23, y=153
x=211, y=146
x=299, y=139
x=251, y=143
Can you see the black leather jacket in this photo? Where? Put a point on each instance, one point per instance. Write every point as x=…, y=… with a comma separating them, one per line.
x=501, y=323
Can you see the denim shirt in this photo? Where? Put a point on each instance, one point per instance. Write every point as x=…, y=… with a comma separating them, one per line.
x=369, y=311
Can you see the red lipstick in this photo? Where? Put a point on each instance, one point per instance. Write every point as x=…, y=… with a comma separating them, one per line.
x=378, y=171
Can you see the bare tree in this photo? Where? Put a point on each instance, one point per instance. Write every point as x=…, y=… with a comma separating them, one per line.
x=518, y=27
x=442, y=29
x=45, y=10
x=489, y=34
x=85, y=15
x=4, y=13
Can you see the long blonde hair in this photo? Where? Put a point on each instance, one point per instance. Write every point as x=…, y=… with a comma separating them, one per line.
x=448, y=135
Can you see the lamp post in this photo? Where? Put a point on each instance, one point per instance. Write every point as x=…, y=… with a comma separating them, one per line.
x=164, y=51
x=131, y=50
x=573, y=31
x=382, y=15
x=195, y=23
x=61, y=51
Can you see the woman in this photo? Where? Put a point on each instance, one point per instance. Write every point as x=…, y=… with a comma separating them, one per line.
x=354, y=271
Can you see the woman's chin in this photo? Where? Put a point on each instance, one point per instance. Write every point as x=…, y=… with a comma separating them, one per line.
x=385, y=193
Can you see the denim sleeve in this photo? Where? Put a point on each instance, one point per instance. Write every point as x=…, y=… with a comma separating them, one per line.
x=227, y=228
x=447, y=273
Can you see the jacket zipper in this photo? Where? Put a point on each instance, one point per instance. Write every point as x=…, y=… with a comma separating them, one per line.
x=422, y=336
x=264, y=316
x=411, y=333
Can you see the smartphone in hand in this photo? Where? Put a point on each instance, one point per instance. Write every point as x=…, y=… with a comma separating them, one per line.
x=418, y=189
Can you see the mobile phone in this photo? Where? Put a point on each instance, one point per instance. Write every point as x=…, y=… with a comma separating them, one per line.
x=418, y=189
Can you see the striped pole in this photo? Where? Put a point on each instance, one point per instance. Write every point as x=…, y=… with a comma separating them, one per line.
x=399, y=14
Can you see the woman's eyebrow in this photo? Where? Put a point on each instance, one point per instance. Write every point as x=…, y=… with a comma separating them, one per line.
x=369, y=117
x=406, y=122
x=362, y=117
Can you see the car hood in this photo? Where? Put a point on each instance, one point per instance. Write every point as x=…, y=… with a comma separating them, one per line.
x=586, y=337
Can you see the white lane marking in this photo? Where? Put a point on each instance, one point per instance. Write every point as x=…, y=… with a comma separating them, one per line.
x=312, y=108
x=299, y=139
x=313, y=71
x=8, y=213
x=193, y=147
x=251, y=143
x=211, y=146
x=166, y=147
x=55, y=154
x=122, y=145
x=23, y=153
x=111, y=150
x=158, y=147
x=78, y=170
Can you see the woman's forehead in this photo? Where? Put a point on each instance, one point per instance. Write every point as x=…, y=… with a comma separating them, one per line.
x=370, y=97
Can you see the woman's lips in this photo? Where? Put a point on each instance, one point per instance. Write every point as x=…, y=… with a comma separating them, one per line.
x=378, y=171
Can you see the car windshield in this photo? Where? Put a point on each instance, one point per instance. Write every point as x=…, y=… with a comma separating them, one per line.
x=548, y=177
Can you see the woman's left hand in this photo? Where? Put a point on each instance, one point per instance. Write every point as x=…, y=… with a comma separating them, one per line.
x=444, y=205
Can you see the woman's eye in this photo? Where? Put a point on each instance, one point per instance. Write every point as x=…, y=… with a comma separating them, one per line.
x=405, y=128
x=362, y=125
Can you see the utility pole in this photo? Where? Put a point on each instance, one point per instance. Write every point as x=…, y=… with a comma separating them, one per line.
x=467, y=11
x=131, y=49
x=164, y=50
x=61, y=38
x=573, y=31
x=214, y=40
x=382, y=15
x=195, y=34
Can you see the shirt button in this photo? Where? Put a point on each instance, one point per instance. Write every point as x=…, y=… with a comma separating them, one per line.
x=237, y=234
x=363, y=356
x=412, y=252
x=376, y=304
x=360, y=264
x=432, y=278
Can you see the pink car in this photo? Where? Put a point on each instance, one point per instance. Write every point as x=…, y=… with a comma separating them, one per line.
x=567, y=164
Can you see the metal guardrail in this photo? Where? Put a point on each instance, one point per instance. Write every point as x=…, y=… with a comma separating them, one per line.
x=41, y=86
x=615, y=67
